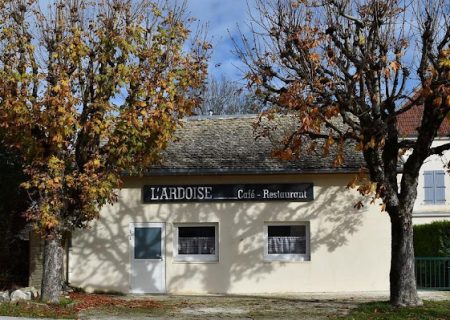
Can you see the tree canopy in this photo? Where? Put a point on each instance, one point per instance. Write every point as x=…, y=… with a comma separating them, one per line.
x=361, y=63
x=90, y=90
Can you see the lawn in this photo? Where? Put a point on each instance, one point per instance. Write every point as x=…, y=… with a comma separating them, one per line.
x=383, y=310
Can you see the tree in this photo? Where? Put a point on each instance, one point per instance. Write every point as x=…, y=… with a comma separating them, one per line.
x=227, y=97
x=13, y=201
x=355, y=63
x=90, y=90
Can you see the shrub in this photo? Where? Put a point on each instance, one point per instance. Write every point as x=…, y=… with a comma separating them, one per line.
x=432, y=240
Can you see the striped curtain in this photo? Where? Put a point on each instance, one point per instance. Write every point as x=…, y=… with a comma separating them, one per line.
x=196, y=245
x=287, y=245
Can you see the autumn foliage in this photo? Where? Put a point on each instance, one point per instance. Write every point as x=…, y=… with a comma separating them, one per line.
x=89, y=91
x=346, y=70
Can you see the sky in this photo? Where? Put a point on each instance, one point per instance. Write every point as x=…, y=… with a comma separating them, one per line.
x=223, y=18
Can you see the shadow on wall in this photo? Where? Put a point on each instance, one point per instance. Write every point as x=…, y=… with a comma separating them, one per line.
x=102, y=253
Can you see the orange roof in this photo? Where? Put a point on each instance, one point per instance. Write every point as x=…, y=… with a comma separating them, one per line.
x=409, y=121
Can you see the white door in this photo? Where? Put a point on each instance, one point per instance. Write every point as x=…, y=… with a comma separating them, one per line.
x=147, y=258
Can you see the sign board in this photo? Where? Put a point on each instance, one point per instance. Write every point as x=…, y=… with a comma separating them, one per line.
x=301, y=192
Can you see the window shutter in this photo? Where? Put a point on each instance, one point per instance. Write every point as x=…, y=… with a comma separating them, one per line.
x=429, y=187
x=439, y=184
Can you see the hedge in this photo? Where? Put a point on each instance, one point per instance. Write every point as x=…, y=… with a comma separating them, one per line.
x=432, y=240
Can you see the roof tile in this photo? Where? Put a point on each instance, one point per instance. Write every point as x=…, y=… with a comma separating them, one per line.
x=221, y=144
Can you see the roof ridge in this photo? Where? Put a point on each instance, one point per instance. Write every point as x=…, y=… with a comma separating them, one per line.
x=220, y=117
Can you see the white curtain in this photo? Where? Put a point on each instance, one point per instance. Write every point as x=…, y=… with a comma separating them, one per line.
x=286, y=245
x=196, y=245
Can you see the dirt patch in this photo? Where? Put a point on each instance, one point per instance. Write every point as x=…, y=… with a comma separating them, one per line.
x=312, y=306
x=229, y=307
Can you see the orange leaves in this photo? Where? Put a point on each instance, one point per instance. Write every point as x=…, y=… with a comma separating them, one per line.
x=328, y=143
x=338, y=160
x=86, y=301
x=367, y=188
x=395, y=66
x=107, y=98
x=437, y=102
x=284, y=155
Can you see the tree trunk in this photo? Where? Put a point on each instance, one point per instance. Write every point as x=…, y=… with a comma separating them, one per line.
x=402, y=275
x=53, y=262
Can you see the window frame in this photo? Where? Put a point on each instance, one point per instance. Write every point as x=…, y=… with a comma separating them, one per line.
x=287, y=256
x=196, y=257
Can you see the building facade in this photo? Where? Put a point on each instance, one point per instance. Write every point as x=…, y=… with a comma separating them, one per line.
x=220, y=215
x=215, y=217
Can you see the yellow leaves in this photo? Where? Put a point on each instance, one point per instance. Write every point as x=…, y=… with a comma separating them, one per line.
x=48, y=221
x=444, y=63
x=96, y=163
x=78, y=134
x=361, y=40
x=55, y=165
x=26, y=185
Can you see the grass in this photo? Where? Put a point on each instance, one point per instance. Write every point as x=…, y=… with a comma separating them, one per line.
x=384, y=311
x=36, y=310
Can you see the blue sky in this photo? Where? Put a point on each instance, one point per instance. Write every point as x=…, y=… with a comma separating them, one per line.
x=222, y=17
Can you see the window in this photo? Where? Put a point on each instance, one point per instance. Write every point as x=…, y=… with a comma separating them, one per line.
x=196, y=242
x=286, y=241
x=434, y=187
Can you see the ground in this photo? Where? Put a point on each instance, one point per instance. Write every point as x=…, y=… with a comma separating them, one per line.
x=296, y=306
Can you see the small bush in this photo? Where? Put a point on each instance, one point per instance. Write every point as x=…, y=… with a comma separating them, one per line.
x=432, y=240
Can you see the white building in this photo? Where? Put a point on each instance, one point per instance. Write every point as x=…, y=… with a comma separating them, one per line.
x=219, y=215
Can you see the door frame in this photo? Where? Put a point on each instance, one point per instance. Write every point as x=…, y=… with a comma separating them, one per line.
x=131, y=243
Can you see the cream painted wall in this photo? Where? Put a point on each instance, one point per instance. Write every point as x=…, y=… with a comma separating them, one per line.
x=350, y=249
x=422, y=212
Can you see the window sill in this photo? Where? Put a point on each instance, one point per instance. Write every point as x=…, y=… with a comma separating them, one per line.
x=430, y=214
x=196, y=259
x=287, y=259
x=184, y=261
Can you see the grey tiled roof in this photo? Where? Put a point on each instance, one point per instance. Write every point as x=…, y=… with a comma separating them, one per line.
x=228, y=145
